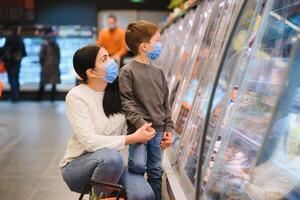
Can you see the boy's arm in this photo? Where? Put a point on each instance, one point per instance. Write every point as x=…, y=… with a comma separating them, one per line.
x=128, y=100
x=169, y=124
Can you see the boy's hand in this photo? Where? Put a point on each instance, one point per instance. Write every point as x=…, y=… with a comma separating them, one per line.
x=167, y=140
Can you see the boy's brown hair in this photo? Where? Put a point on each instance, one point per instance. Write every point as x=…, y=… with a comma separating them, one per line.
x=139, y=32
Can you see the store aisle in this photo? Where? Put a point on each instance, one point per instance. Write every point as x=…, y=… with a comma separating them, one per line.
x=33, y=138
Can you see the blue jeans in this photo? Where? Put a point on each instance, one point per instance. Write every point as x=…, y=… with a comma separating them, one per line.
x=105, y=165
x=147, y=157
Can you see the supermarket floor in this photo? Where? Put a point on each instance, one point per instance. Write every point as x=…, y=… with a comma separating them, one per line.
x=33, y=139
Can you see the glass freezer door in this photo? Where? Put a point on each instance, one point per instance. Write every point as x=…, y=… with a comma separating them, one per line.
x=185, y=53
x=225, y=13
x=203, y=70
x=185, y=60
x=173, y=39
x=267, y=72
x=277, y=172
x=231, y=75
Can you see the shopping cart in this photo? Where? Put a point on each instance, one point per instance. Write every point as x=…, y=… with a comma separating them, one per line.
x=119, y=192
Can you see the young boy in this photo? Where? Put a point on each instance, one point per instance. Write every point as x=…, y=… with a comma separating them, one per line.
x=145, y=98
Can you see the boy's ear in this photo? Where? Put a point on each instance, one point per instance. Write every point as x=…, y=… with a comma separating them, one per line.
x=143, y=47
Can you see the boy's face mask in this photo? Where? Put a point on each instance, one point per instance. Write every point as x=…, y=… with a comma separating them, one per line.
x=155, y=53
x=111, y=71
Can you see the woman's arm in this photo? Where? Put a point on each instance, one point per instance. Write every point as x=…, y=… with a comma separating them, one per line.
x=143, y=134
x=83, y=127
x=84, y=131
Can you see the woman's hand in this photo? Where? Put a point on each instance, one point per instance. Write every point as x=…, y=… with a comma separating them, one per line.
x=143, y=134
x=167, y=140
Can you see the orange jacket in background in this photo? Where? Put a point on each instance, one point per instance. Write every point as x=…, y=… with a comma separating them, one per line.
x=113, y=41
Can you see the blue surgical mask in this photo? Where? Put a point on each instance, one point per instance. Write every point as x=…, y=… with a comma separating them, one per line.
x=157, y=47
x=111, y=71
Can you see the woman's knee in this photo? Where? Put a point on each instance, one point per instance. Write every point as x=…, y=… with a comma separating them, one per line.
x=72, y=182
x=112, y=160
x=102, y=163
x=137, y=167
x=137, y=188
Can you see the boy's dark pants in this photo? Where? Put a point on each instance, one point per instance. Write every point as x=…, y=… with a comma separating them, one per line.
x=13, y=71
x=147, y=157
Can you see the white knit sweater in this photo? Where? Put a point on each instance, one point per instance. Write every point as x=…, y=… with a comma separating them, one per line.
x=91, y=129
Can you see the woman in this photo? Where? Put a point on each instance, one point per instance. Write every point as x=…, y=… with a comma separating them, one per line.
x=94, y=110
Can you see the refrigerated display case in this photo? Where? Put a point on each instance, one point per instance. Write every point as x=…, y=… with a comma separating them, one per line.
x=196, y=88
x=227, y=85
x=227, y=136
x=247, y=126
x=177, y=49
x=235, y=52
x=183, y=68
x=200, y=78
x=188, y=154
x=189, y=31
x=70, y=38
x=277, y=171
x=173, y=38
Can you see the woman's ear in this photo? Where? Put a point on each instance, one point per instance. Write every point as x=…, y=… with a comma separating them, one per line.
x=90, y=73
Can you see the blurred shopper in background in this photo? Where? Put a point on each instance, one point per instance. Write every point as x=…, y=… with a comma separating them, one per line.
x=49, y=60
x=13, y=52
x=113, y=39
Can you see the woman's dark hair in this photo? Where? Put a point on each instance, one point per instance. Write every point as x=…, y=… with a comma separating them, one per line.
x=112, y=101
x=85, y=59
